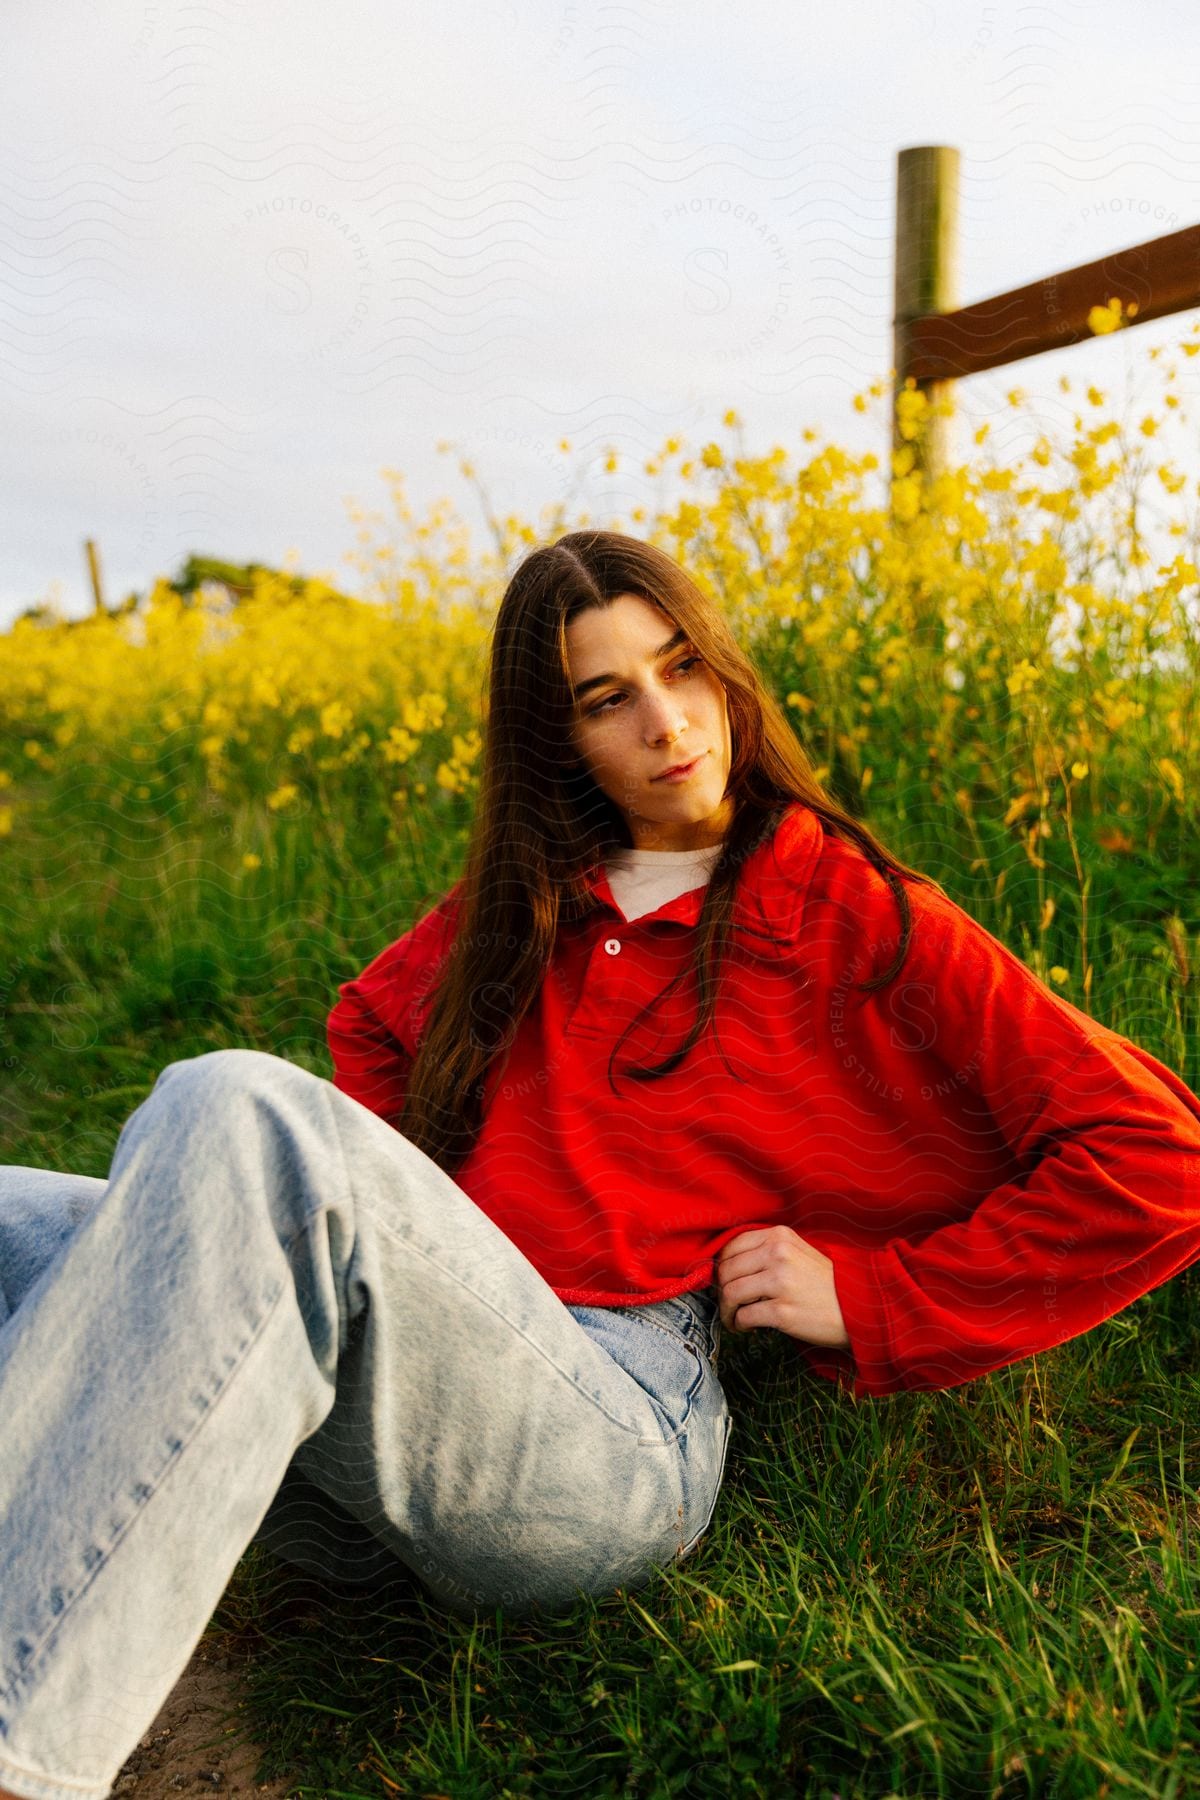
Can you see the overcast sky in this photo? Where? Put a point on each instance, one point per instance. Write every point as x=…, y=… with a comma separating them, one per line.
x=253, y=255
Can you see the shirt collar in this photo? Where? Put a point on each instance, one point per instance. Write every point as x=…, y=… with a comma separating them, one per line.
x=786, y=856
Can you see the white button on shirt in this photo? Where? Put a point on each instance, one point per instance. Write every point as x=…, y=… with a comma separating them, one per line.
x=612, y=945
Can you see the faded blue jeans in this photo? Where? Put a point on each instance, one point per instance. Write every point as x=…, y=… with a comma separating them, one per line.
x=279, y=1320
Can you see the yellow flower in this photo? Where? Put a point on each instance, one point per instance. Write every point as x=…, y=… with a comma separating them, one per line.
x=1079, y=770
x=399, y=745
x=1148, y=426
x=1023, y=678
x=711, y=456
x=1118, y=712
x=426, y=714
x=731, y=419
x=906, y=499
x=336, y=719
x=1103, y=319
x=283, y=796
x=1016, y=396
x=1096, y=396
x=911, y=409
x=1059, y=974
x=1172, y=776
x=250, y=861
x=610, y=463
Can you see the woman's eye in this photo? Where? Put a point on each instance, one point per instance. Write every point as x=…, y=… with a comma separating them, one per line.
x=604, y=706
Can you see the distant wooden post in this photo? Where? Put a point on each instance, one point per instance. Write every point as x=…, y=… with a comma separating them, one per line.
x=93, y=558
x=926, y=282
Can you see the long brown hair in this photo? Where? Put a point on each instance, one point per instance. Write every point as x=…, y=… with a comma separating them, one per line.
x=541, y=823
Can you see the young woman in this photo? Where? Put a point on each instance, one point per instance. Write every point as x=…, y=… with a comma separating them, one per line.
x=684, y=1049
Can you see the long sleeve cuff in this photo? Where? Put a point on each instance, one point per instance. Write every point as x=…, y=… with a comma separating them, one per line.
x=867, y=1367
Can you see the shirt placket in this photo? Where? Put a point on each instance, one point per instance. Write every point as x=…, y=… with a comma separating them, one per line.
x=612, y=985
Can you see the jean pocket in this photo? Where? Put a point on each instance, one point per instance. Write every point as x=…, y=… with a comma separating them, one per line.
x=656, y=1352
x=694, y=1316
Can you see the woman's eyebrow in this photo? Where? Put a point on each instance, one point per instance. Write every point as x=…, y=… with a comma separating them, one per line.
x=593, y=681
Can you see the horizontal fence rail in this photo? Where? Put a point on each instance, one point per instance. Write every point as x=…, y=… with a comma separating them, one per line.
x=1159, y=277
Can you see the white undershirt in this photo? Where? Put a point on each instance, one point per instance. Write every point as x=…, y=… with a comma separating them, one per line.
x=643, y=880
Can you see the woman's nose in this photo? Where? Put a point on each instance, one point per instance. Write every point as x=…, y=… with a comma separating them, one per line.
x=667, y=721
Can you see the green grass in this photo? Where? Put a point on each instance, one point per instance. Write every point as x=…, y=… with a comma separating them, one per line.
x=990, y=1591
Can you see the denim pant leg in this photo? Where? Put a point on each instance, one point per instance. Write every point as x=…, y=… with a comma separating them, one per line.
x=670, y=1347
x=269, y=1264
x=40, y=1210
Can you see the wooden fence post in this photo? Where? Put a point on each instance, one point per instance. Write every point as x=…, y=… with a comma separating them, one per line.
x=93, y=559
x=926, y=281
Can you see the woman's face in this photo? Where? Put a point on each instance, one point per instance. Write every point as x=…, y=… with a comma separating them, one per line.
x=654, y=704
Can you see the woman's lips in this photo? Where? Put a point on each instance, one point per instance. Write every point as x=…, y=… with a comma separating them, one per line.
x=682, y=774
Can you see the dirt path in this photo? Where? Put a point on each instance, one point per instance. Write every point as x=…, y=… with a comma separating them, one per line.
x=198, y=1743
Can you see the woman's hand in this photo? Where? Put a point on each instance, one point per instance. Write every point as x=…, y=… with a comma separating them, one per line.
x=773, y=1277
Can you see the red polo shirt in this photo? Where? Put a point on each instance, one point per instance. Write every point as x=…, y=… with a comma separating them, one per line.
x=989, y=1169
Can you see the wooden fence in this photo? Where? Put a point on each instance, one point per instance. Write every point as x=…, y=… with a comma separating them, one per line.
x=937, y=340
